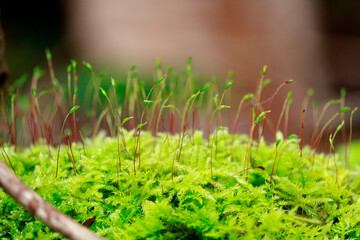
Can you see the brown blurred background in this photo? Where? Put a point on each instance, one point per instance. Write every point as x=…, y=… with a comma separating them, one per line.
x=315, y=42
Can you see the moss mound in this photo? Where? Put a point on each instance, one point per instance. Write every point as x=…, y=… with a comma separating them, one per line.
x=304, y=201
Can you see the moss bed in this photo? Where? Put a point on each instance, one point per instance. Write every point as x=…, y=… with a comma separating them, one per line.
x=302, y=202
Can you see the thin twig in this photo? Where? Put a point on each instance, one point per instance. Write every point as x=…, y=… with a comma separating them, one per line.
x=38, y=207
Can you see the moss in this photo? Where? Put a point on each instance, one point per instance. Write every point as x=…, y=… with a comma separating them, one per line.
x=303, y=200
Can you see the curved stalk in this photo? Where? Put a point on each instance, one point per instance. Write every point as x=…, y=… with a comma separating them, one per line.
x=73, y=109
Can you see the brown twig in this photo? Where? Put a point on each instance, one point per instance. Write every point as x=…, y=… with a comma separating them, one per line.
x=38, y=207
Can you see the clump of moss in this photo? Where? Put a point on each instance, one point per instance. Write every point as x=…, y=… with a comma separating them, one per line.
x=303, y=200
x=165, y=178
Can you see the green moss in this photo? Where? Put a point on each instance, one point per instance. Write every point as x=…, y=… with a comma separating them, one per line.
x=303, y=201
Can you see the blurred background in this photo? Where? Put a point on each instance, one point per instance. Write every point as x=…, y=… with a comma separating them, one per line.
x=317, y=43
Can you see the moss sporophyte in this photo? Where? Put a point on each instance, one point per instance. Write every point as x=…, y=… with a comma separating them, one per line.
x=147, y=167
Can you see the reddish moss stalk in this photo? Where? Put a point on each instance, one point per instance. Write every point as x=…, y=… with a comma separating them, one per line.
x=302, y=133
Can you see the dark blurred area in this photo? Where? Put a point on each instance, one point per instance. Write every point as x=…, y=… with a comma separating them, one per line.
x=29, y=28
x=342, y=40
x=315, y=42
